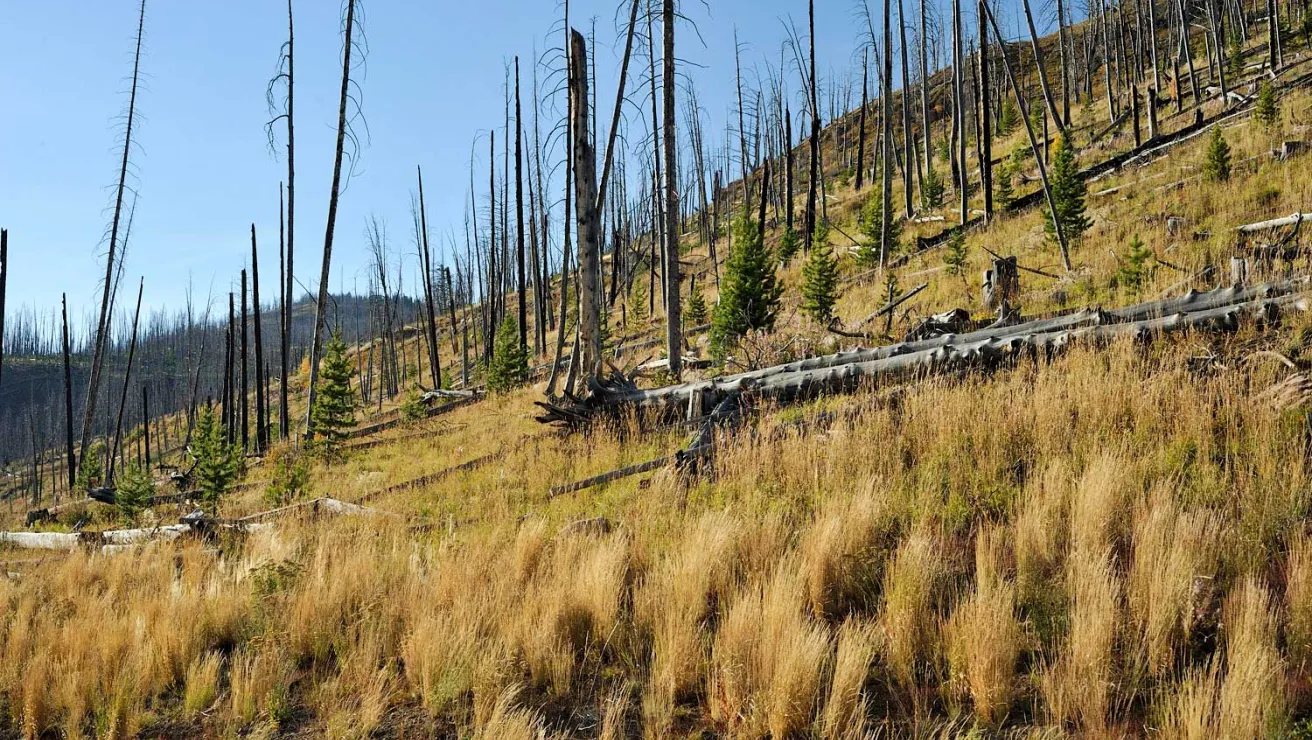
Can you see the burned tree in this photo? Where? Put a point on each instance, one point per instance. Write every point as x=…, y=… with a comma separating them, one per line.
x=673, y=306
x=585, y=194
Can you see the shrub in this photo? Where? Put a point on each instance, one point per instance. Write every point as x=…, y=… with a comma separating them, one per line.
x=412, y=406
x=291, y=476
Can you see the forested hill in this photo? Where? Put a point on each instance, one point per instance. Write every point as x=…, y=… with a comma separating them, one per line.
x=167, y=354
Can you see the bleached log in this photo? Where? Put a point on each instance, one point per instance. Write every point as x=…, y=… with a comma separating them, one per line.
x=1274, y=223
x=41, y=540
x=1218, y=309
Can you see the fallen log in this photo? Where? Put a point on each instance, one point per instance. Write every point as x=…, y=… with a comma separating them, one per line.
x=1275, y=223
x=1215, y=310
x=431, y=478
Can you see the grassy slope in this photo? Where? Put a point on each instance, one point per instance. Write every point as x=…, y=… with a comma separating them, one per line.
x=1112, y=542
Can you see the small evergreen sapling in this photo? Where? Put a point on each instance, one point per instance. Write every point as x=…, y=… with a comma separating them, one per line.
x=508, y=368
x=872, y=222
x=788, y=246
x=91, y=469
x=956, y=257
x=694, y=314
x=1134, y=268
x=135, y=490
x=1068, y=193
x=334, y=410
x=1216, y=163
x=749, y=292
x=931, y=191
x=820, y=278
x=1267, y=109
x=216, y=460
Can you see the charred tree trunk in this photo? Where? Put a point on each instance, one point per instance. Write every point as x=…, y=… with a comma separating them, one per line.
x=519, y=218
x=910, y=167
x=245, y=369
x=585, y=193
x=434, y=359
x=68, y=401
x=673, y=305
x=261, y=420
x=814, y=184
x=789, y=165
x=986, y=135
x=284, y=325
x=127, y=383
x=1043, y=73
x=102, y=327
x=861, y=123
x=321, y=308
x=4, y=278
x=959, y=111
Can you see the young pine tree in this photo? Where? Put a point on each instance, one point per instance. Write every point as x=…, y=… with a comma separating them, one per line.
x=508, y=369
x=820, y=277
x=1134, y=269
x=1068, y=193
x=788, y=246
x=956, y=257
x=872, y=223
x=931, y=191
x=1003, y=176
x=334, y=410
x=91, y=469
x=135, y=490
x=694, y=314
x=1235, y=51
x=1267, y=109
x=1008, y=119
x=1216, y=162
x=216, y=460
x=749, y=292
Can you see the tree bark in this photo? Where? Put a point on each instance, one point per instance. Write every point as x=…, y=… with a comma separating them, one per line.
x=434, y=357
x=585, y=194
x=261, y=420
x=519, y=218
x=68, y=401
x=127, y=383
x=673, y=305
x=861, y=125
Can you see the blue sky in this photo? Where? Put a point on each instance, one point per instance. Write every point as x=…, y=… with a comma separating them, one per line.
x=435, y=74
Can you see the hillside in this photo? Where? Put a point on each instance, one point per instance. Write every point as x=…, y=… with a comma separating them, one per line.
x=1084, y=538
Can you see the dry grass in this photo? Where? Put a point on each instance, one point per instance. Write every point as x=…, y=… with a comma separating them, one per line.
x=1112, y=543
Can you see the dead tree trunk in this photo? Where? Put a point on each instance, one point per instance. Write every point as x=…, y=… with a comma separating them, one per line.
x=245, y=369
x=102, y=326
x=908, y=145
x=284, y=323
x=673, y=305
x=585, y=194
x=434, y=358
x=1048, y=97
x=127, y=383
x=959, y=112
x=986, y=135
x=321, y=308
x=886, y=142
x=519, y=210
x=861, y=124
x=4, y=278
x=68, y=400
x=261, y=420
x=814, y=183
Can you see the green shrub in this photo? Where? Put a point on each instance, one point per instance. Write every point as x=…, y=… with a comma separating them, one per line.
x=508, y=368
x=820, y=278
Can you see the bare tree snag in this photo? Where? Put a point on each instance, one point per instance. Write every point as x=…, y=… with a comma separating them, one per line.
x=245, y=369
x=127, y=383
x=861, y=122
x=886, y=142
x=261, y=419
x=519, y=209
x=585, y=194
x=321, y=307
x=673, y=305
x=68, y=400
x=434, y=359
x=908, y=147
x=102, y=326
x=1042, y=69
x=4, y=279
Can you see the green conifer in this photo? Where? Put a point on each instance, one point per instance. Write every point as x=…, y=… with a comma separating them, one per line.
x=135, y=490
x=1267, y=109
x=91, y=468
x=931, y=191
x=749, y=292
x=334, y=410
x=956, y=257
x=1008, y=118
x=820, y=278
x=1068, y=192
x=1216, y=164
x=508, y=369
x=216, y=460
x=1133, y=269
x=872, y=220
x=694, y=314
x=788, y=246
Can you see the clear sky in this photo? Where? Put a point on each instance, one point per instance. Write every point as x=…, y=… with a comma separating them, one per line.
x=203, y=170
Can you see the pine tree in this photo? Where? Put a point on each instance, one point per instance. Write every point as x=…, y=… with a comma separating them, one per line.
x=1235, y=50
x=931, y=191
x=291, y=476
x=1133, y=267
x=216, y=460
x=955, y=259
x=872, y=222
x=1216, y=165
x=508, y=368
x=1068, y=193
x=820, y=277
x=135, y=490
x=1267, y=109
x=1008, y=119
x=334, y=409
x=788, y=246
x=91, y=469
x=412, y=406
x=694, y=314
x=749, y=292
x=1003, y=176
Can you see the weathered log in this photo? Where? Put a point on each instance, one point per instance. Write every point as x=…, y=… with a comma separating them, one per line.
x=1219, y=309
x=1274, y=223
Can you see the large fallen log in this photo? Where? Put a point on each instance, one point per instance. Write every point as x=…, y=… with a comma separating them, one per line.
x=1274, y=223
x=1219, y=309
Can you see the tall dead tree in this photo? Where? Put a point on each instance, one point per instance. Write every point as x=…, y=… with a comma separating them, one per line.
x=102, y=325
x=287, y=227
x=4, y=279
x=261, y=419
x=1034, y=144
x=925, y=121
x=68, y=400
x=426, y=259
x=861, y=122
x=1042, y=69
x=585, y=194
x=519, y=208
x=1063, y=43
x=985, y=144
x=908, y=145
x=959, y=113
x=127, y=383
x=321, y=307
x=886, y=143
x=245, y=368
x=814, y=183
x=569, y=201
x=673, y=305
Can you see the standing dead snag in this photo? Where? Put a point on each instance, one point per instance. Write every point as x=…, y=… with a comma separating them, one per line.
x=261, y=420
x=102, y=325
x=68, y=400
x=519, y=208
x=287, y=227
x=585, y=194
x=673, y=306
x=4, y=278
x=426, y=261
x=127, y=382
x=321, y=307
